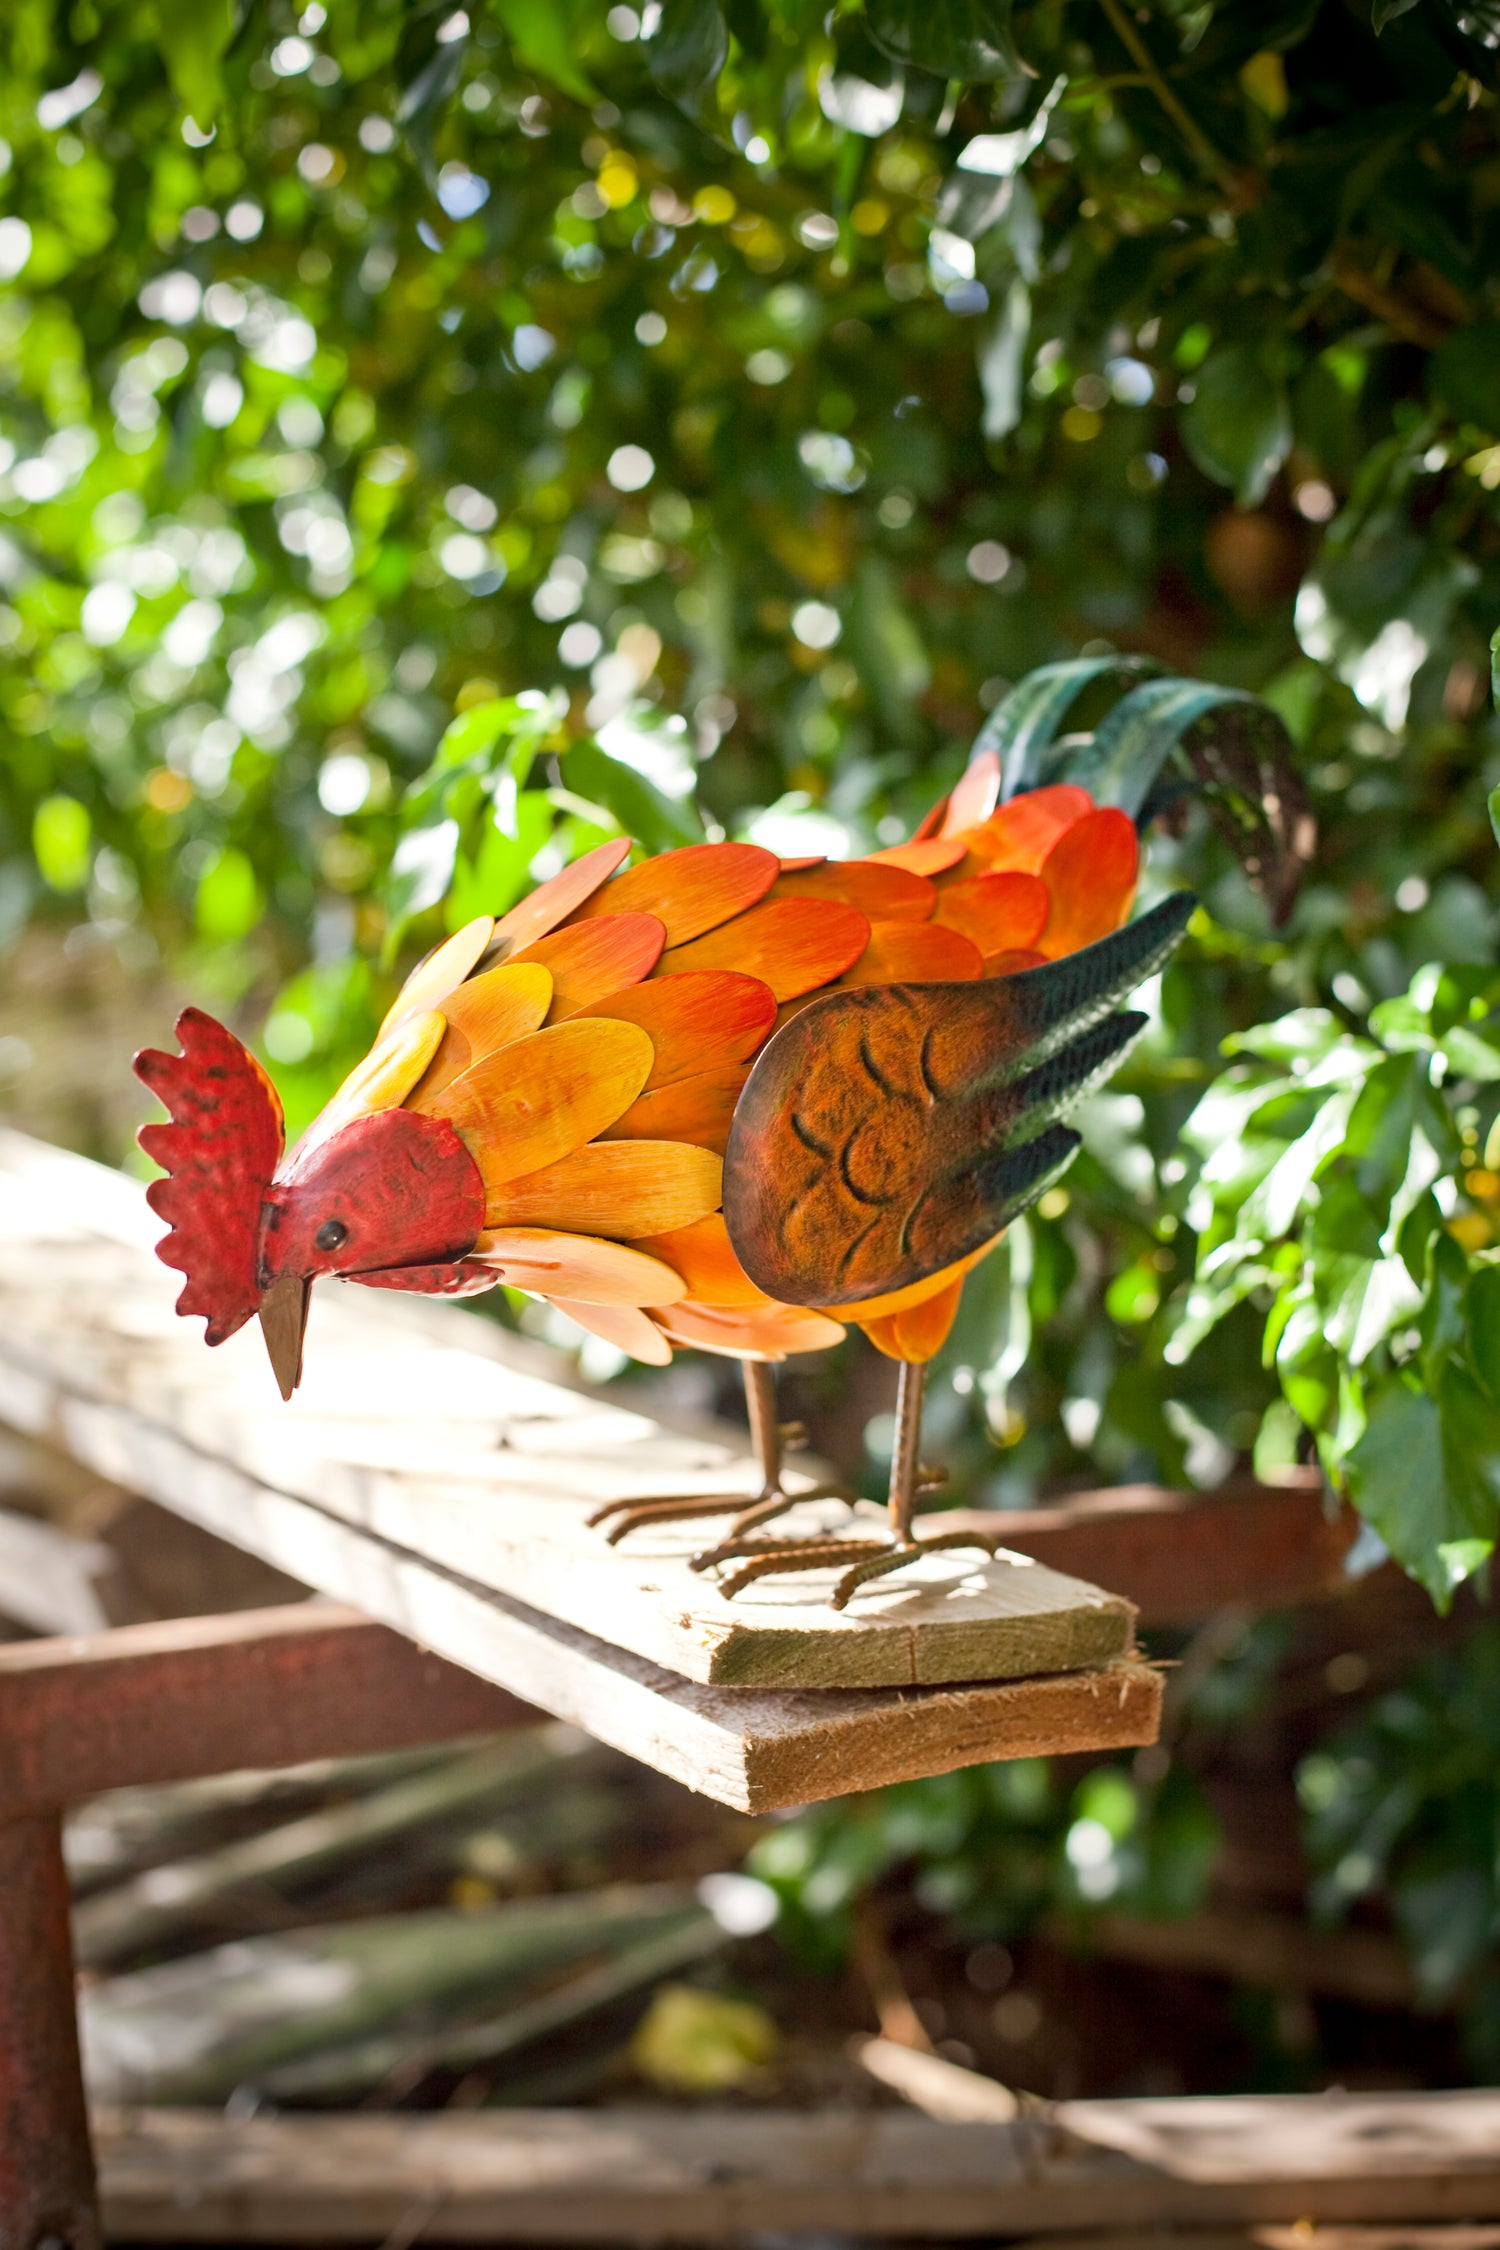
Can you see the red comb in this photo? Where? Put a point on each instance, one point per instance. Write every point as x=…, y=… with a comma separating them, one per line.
x=219, y=1153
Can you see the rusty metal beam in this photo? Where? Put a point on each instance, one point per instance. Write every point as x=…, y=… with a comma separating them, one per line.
x=201, y=1695
x=1179, y=1556
x=46, y=2168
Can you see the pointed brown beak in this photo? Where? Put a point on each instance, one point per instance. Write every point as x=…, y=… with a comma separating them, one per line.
x=283, y=1323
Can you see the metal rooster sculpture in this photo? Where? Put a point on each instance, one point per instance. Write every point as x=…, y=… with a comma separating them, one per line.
x=723, y=1100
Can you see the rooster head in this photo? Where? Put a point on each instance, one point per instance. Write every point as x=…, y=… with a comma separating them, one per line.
x=389, y=1198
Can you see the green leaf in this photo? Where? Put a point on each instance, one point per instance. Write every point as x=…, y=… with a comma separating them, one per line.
x=688, y=49
x=229, y=902
x=1464, y=374
x=421, y=870
x=1278, y=1443
x=1273, y=1207
x=492, y=876
x=657, y=822
x=964, y=39
x=1237, y=426
x=1424, y=1473
x=1305, y=1035
x=1002, y=358
x=542, y=37
x=60, y=830
x=1444, y=1313
x=1446, y=1920
x=1484, y=1330
x=194, y=36
x=432, y=85
x=1468, y=1055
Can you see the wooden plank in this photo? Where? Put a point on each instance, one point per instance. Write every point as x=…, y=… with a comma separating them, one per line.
x=429, y=1428
x=940, y=2089
x=50, y=1581
x=1298, y=2235
x=200, y=1695
x=1248, y=1947
x=611, y=2176
x=755, y=1749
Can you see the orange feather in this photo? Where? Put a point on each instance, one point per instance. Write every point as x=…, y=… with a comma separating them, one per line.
x=696, y=1020
x=691, y=890
x=792, y=944
x=998, y=912
x=931, y=855
x=582, y=1267
x=915, y=953
x=623, y=1189
x=544, y=1096
x=916, y=1292
x=561, y=895
x=704, y=1256
x=590, y=960
x=885, y=893
x=919, y=1333
x=1018, y=836
x=768, y=1334
x=697, y=1109
x=974, y=798
x=624, y=1326
x=1090, y=873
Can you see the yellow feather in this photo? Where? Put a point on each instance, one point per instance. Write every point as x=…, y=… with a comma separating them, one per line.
x=444, y=969
x=382, y=1081
x=622, y=1189
x=487, y=1013
x=544, y=1096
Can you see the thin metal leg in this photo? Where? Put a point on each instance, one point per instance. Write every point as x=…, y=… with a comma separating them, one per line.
x=906, y=1451
x=771, y=1439
x=46, y=2165
x=765, y=1426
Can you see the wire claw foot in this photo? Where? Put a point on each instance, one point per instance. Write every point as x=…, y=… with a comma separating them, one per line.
x=765, y=1510
x=768, y=1558
x=633, y=1515
x=898, y=1557
x=863, y=1558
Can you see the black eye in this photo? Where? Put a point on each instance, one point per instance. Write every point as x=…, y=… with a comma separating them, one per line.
x=331, y=1235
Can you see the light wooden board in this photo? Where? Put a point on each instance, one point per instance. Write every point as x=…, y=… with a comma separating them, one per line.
x=610, y=2176
x=756, y=1749
x=448, y=1442
x=49, y=1581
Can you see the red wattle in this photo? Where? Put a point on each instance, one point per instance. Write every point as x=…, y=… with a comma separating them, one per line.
x=460, y=1277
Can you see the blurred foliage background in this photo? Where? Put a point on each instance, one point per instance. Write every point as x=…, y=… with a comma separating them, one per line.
x=694, y=418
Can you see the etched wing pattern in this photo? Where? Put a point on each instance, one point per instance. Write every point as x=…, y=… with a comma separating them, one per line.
x=889, y=1132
